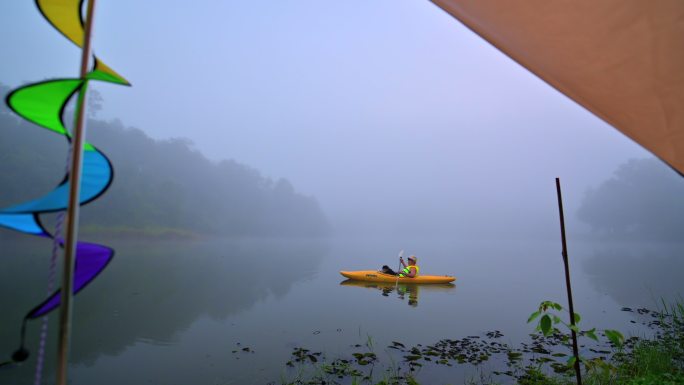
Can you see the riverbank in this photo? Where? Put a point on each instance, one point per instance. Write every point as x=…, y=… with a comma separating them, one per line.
x=151, y=233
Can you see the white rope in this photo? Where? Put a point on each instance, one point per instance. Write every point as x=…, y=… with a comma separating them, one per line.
x=56, y=240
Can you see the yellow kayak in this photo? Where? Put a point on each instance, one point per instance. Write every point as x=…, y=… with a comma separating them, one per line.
x=376, y=276
x=391, y=285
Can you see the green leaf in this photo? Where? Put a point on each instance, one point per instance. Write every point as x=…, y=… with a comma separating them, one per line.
x=533, y=316
x=573, y=328
x=556, y=306
x=577, y=318
x=591, y=334
x=548, y=304
x=614, y=336
x=571, y=361
x=545, y=324
x=556, y=319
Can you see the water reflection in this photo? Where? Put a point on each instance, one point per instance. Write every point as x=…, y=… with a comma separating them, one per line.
x=151, y=292
x=638, y=274
x=409, y=292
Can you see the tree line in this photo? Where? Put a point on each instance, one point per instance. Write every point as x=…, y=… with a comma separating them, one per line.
x=644, y=199
x=157, y=183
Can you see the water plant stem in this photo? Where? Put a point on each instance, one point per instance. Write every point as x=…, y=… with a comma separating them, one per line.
x=571, y=309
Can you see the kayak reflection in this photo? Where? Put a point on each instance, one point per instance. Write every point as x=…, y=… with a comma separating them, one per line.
x=403, y=290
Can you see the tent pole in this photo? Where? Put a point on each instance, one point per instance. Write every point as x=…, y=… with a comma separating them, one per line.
x=78, y=136
x=575, y=351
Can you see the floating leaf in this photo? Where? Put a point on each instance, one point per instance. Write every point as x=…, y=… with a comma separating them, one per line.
x=514, y=356
x=559, y=368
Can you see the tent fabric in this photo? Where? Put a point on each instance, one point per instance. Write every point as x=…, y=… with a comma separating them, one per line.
x=623, y=60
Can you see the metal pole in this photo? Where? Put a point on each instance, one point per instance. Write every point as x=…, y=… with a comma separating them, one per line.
x=575, y=351
x=72, y=207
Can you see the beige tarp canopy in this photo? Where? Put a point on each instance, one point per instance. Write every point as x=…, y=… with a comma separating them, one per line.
x=623, y=60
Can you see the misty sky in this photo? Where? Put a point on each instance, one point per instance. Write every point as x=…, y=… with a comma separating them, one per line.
x=385, y=110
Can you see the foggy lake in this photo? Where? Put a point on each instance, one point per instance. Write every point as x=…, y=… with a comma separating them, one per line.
x=266, y=146
x=232, y=311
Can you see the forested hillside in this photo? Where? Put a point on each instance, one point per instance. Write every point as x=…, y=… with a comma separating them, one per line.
x=158, y=184
x=643, y=200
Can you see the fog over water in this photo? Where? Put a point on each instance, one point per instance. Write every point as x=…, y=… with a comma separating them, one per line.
x=176, y=312
x=386, y=118
x=398, y=119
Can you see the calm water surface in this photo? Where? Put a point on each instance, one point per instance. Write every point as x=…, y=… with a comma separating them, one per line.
x=182, y=312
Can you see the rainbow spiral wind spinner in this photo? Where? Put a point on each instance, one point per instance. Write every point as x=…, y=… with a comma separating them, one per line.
x=43, y=103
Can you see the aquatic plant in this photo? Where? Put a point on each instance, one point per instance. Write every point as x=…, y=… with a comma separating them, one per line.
x=548, y=319
x=611, y=360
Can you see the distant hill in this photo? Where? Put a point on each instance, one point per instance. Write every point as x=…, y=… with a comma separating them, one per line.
x=158, y=184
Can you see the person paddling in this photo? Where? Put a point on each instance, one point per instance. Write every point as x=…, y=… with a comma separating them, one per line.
x=409, y=271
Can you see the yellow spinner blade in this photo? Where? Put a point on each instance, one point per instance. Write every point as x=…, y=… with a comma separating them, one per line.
x=104, y=73
x=65, y=16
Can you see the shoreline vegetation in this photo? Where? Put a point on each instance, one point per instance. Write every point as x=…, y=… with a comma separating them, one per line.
x=161, y=188
x=146, y=233
x=103, y=233
x=161, y=234
x=543, y=360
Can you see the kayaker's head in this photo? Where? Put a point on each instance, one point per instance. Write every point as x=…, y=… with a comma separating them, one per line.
x=412, y=260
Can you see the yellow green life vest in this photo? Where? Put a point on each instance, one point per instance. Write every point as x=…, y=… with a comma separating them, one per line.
x=407, y=270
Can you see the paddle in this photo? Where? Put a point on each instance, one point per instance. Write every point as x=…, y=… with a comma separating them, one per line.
x=396, y=285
